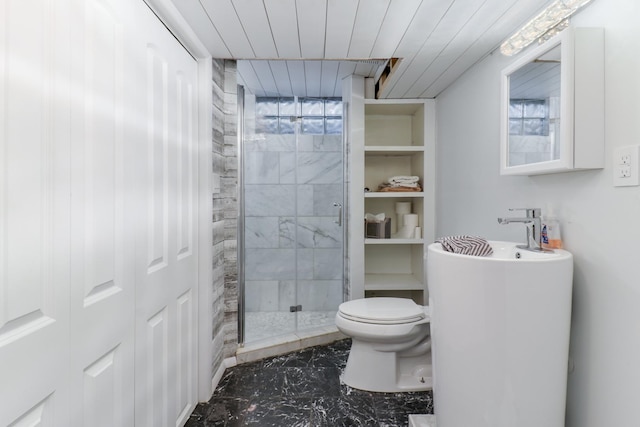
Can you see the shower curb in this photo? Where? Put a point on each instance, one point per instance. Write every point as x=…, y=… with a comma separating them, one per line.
x=287, y=344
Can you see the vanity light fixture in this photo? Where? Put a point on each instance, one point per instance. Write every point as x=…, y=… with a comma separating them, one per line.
x=554, y=31
x=553, y=19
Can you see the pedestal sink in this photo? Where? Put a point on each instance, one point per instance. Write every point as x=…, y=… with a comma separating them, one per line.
x=500, y=336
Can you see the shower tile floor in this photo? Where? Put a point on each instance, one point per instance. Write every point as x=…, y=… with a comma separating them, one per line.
x=261, y=325
x=303, y=389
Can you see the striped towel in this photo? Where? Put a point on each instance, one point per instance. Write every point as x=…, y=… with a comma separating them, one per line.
x=466, y=245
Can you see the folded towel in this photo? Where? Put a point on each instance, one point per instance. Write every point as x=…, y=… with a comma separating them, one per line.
x=374, y=218
x=402, y=179
x=466, y=245
x=400, y=187
x=405, y=184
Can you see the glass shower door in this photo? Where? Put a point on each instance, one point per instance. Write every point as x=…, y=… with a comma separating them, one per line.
x=293, y=192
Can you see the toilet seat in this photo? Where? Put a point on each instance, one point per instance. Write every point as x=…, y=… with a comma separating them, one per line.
x=382, y=311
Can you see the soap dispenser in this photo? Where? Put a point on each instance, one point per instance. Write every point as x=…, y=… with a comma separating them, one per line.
x=550, y=235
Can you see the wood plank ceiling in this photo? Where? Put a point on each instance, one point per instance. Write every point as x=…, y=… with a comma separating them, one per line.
x=306, y=47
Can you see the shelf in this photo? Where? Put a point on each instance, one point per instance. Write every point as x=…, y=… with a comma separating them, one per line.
x=392, y=194
x=394, y=138
x=392, y=107
x=390, y=150
x=380, y=282
x=394, y=241
x=379, y=166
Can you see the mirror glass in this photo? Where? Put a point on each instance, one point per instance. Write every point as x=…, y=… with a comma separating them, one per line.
x=534, y=111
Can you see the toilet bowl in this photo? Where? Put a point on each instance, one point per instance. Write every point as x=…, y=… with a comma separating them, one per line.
x=390, y=344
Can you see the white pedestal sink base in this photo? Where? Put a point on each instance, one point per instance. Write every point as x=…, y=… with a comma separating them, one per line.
x=500, y=328
x=422, y=421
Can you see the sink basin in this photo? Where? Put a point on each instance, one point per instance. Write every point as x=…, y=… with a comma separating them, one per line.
x=500, y=336
x=509, y=251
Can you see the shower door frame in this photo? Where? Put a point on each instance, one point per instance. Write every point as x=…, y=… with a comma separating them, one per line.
x=240, y=223
x=341, y=217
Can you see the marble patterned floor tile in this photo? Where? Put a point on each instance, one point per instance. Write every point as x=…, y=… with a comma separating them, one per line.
x=353, y=410
x=291, y=360
x=293, y=412
x=303, y=389
x=310, y=382
x=393, y=409
x=249, y=381
x=227, y=412
x=332, y=355
x=199, y=414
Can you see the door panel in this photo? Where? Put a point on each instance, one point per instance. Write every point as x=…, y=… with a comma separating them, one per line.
x=319, y=284
x=102, y=144
x=102, y=381
x=157, y=178
x=34, y=210
x=40, y=415
x=186, y=173
x=155, y=386
x=27, y=190
x=185, y=354
x=102, y=251
x=166, y=272
x=293, y=237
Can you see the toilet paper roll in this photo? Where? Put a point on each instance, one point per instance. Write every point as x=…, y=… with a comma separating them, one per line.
x=403, y=208
x=411, y=220
x=405, y=233
x=418, y=233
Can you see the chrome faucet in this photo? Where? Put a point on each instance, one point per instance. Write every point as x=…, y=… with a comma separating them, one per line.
x=534, y=227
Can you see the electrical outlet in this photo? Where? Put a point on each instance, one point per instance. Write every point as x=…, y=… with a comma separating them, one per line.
x=626, y=161
x=625, y=171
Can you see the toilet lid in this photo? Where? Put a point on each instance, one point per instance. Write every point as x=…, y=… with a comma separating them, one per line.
x=382, y=310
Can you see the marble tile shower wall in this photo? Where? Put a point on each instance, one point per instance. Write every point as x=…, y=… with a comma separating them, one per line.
x=290, y=222
x=225, y=211
x=229, y=186
x=217, y=216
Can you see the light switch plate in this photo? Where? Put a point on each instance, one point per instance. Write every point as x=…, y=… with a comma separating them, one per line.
x=626, y=161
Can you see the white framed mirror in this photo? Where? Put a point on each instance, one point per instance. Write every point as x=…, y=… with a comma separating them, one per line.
x=552, y=106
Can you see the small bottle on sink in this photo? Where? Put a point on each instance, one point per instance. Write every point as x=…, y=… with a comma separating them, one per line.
x=550, y=233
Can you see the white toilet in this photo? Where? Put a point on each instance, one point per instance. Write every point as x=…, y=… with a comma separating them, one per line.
x=390, y=347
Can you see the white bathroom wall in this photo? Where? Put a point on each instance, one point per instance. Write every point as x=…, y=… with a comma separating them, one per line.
x=600, y=223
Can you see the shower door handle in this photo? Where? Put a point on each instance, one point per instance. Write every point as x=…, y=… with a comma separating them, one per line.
x=339, y=206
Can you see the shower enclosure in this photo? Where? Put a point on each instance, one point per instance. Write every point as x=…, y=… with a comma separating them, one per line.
x=291, y=226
